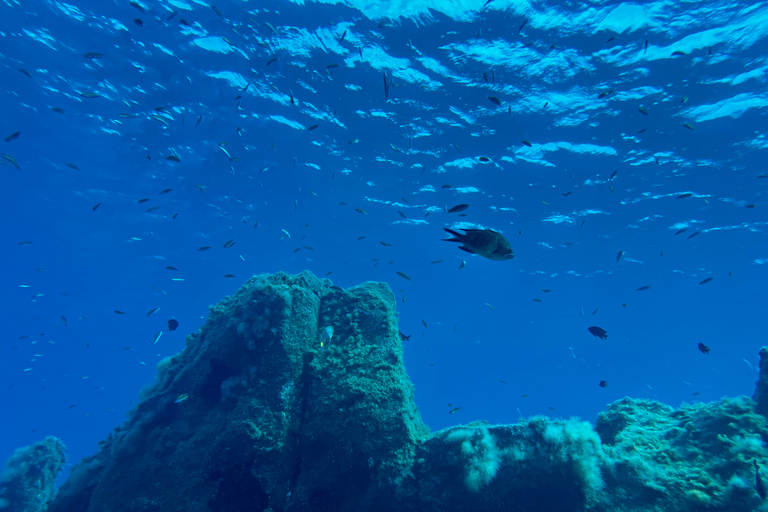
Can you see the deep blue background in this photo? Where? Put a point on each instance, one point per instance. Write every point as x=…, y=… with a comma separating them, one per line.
x=78, y=380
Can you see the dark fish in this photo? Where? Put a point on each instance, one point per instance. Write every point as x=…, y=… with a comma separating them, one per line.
x=527, y=143
x=605, y=94
x=25, y=72
x=93, y=55
x=484, y=159
x=13, y=136
x=598, y=332
x=680, y=232
x=678, y=52
x=386, y=86
x=494, y=100
x=138, y=22
x=204, y=248
x=684, y=195
x=695, y=233
x=619, y=256
x=165, y=191
x=707, y=280
x=643, y=288
x=95, y=207
x=143, y=200
x=525, y=22
x=173, y=324
x=703, y=348
x=403, y=337
x=643, y=111
x=603, y=383
x=270, y=61
x=137, y=6
x=458, y=208
x=313, y=127
x=454, y=410
x=483, y=242
x=173, y=158
x=759, y=485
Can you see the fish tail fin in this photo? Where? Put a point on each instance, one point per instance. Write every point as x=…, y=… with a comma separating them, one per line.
x=455, y=234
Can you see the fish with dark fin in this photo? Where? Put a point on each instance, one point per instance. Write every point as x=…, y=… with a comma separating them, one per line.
x=598, y=332
x=173, y=324
x=483, y=242
x=703, y=348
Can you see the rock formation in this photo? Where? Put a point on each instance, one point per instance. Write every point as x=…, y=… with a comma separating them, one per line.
x=293, y=397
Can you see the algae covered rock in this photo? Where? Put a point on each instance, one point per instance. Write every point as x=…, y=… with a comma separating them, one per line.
x=27, y=481
x=263, y=409
x=293, y=397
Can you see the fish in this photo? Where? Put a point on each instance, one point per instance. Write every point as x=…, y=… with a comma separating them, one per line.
x=458, y=208
x=598, y=332
x=404, y=337
x=13, y=136
x=494, y=100
x=605, y=94
x=404, y=275
x=703, y=348
x=527, y=143
x=619, y=256
x=483, y=242
x=454, y=410
x=643, y=111
x=204, y=248
x=484, y=159
x=643, y=288
x=313, y=127
x=689, y=126
x=157, y=337
x=95, y=207
x=707, y=280
x=173, y=324
x=326, y=335
x=603, y=384
x=759, y=485
x=694, y=234
x=153, y=311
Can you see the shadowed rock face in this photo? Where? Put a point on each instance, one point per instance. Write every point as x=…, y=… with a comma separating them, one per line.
x=277, y=415
x=293, y=397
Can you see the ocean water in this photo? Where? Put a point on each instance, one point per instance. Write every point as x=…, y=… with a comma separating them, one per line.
x=617, y=146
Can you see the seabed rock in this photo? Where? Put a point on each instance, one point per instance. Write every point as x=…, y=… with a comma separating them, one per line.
x=294, y=397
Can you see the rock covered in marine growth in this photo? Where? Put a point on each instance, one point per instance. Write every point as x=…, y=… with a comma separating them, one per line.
x=27, y=481
x=293, y=397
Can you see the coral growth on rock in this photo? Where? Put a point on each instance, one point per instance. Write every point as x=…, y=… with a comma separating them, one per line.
x=293, y=397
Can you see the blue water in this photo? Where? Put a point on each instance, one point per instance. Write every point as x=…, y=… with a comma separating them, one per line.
x=570, y=79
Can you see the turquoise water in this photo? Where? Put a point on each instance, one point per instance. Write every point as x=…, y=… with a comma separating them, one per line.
x=616, y=146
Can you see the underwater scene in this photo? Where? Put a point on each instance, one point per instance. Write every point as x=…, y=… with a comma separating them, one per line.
x=265, y=255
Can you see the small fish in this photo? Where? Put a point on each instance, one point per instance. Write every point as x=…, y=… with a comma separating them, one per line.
x=173, y=324
x=689, y=126
x=490, y=306
x=680, y=232
x=703, y=348
x=494, y=100
x=173, y=158
x=165, y=191
x=13, y=136
x=694, y=234
x=605, y=94
x=462, y=264
x=598, y=332
x=403, y=275
x=603, y=384
x=313, y=127
x=619, y=256
x=483, y=242
x=458, y=208
x=403, y=337
x=707, y=280
x=454, y=410
x=93, y=55
x=270, y=61
x=204, y=248
x=527, y=143
x=228, y=244
x=171, y=268
x=153, y=311
x=157, y=337
x=643, y=288
x=326, y=335
x=181, y=398
x=484, y=159
x=361, y=211
x=229, y=275
x=643, y=111
x=95, y=207
x=10, y=160
x=677, y=52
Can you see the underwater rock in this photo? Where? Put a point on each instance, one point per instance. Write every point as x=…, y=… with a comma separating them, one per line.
x=293, y=397
x=27, y=481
